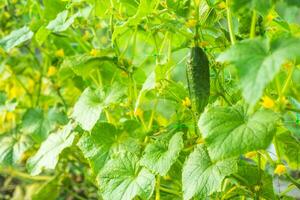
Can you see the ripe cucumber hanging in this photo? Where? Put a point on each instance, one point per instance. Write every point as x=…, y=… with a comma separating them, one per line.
x=198, y=78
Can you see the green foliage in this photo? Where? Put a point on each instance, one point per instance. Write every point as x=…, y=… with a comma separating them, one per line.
x=150, y=99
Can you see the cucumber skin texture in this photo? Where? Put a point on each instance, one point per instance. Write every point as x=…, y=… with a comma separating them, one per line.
x=198, y=78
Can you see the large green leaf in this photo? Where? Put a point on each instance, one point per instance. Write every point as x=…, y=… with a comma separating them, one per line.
x=123, y=179
x=88, y=108
x=15, y=38
x=201, y=176
x=258, y=61
x=161, y=155
x=230, y=132
x=38, y=124
x=96, y=145
x=48, y=154
x=12, y=148
x=289, y=148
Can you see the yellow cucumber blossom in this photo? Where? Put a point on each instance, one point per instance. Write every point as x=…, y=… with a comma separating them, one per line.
x=191, y=23
x=267, y=102
x=280, y=169
x=250, y=154
x=138, y=112
x=94, y=52
x=51, y=71
x=60, y=53
x=186, y=102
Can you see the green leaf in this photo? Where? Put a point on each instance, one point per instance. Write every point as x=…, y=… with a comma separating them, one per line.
x=12, y=148
x=258, y=61
x=15, y=38
x=251, y=177
x=88, y=108
x=201, y=176
x=230, y=132
x=161, y=155
x=38, y=124
x=61, y=23
x=41, y=35
x=262, y=7
x=48, y=154
x=123, y=179
x=49, y=190
x=97, y=144
x=289, y=148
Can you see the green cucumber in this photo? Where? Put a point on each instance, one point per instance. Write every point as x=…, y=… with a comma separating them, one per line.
x=198, y=79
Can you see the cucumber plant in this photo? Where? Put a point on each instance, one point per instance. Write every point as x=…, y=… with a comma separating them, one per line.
x=150, y=99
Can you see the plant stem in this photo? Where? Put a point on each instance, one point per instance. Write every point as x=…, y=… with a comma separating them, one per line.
x=253, y=23
x=288, y=80
x=295, y=182
x=14, y=173
x=170, y=191
x=229, y=21
x=157, y=188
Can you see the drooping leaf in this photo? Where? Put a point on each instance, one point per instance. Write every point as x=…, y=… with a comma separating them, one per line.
x=61, y=22
x=15, y=38
x=258, y=61
x=48, y=154
x=96, y=145
x=230, y=132
x=122, y=178
x=201, y=176
x=161, y=155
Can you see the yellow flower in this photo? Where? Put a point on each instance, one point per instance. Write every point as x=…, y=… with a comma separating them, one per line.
x=250, y=154
x=10, y=116
x=6, y=15
x=203, y=43
x=267, y=102
x=103, y=39
x=200, y=141
x=31, y=85
x=94, y=52
x=60, y=53
x=51, y=71
x=270, y=16
x=191, y=23
x=138, y=112
x=280, y=169
x=167, y=178
x=186, y=102
x=288, y=65
x=222, y=5
x=257, y=188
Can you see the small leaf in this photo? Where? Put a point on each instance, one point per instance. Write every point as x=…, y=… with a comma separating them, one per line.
x=258, y=61
x=48, y=154
x=201, y=176
x=161, y=155
x=123, y=179
x=15, y=38
x=230, y=132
